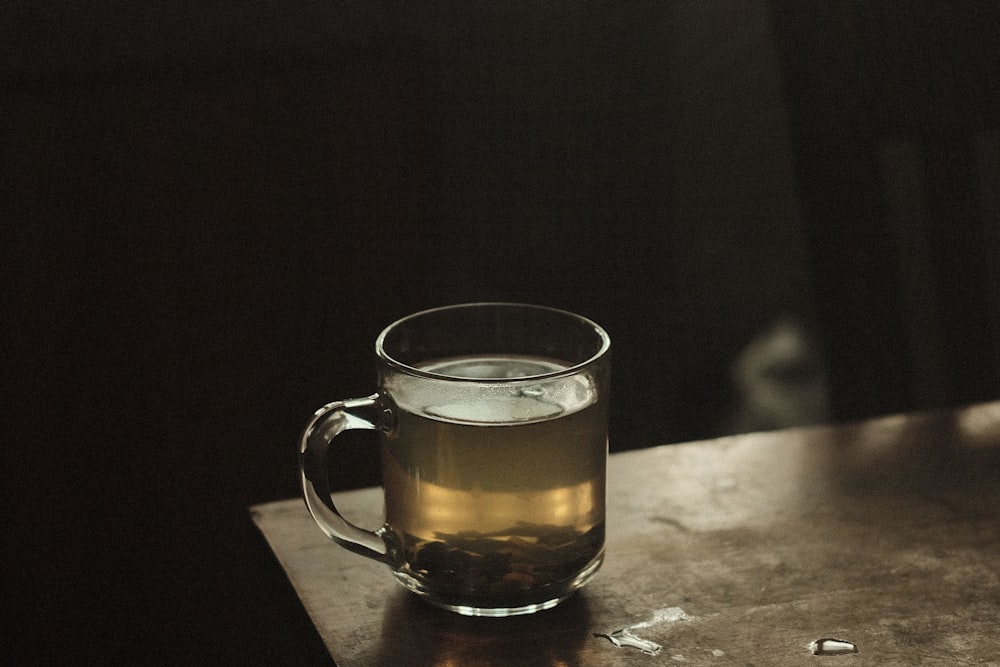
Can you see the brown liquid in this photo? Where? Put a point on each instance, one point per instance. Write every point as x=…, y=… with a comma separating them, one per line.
x=499, y=504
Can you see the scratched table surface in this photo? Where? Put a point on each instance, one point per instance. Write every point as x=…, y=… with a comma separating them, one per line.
x=737, y=551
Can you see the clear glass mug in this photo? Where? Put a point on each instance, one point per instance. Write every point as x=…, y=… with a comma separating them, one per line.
x=493, y=436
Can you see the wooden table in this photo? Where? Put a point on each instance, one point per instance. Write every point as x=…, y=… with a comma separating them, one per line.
x=742, y=550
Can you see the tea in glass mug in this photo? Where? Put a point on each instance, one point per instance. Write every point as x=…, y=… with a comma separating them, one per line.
x=493, y=437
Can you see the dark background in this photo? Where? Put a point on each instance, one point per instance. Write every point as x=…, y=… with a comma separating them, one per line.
x=211, y=209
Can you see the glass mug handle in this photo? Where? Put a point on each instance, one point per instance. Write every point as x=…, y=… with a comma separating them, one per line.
x=327, y=423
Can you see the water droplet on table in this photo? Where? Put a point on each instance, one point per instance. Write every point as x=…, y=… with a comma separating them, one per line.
x=830, y=646
x=623, y=638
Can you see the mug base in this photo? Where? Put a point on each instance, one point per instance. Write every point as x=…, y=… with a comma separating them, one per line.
x=551, y=597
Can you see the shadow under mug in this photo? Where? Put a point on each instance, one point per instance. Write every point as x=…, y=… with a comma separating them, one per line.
x=493, y=437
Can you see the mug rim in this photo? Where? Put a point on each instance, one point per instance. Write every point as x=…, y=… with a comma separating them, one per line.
x=394, y=363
